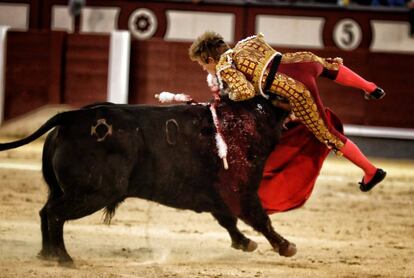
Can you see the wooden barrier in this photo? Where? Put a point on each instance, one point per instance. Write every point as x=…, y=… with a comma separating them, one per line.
x=54, y=67
x=158, y=66
x=33, y=71
x=45, y=67
x=86, y=69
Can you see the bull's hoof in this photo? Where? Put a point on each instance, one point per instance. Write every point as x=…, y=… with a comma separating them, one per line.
x=287, y=249
x=246, y=246
x=66, y=261
x=47, y=255
x=251, y=246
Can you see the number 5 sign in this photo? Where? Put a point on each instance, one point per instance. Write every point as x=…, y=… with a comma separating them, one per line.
x=347, y=34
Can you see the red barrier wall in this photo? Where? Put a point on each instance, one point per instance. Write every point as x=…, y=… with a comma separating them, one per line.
x=52, y=67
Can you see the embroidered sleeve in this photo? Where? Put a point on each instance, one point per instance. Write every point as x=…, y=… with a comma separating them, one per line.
x=240, y=87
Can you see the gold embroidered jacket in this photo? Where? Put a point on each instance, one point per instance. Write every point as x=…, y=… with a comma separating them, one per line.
x=242, y=67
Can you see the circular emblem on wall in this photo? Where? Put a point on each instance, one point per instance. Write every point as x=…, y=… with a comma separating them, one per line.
x=142, y=23
x=347, y=34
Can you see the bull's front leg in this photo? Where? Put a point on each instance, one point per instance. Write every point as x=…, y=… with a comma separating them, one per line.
x=254, y=215
x=238, y=240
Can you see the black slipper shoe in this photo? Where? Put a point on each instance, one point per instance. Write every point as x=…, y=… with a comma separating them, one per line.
x=376, y=179
x=378, y=93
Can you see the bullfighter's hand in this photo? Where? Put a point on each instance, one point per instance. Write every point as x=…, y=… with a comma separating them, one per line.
x=288, y=119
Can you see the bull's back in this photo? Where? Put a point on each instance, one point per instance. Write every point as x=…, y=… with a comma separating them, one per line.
x=166, y=154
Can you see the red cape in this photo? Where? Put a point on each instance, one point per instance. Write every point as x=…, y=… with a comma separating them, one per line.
x=292, y=168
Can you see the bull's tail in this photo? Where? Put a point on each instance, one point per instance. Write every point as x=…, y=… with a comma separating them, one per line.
x=57, y=120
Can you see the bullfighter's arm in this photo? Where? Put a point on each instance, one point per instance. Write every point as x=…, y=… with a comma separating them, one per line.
x=240, y=87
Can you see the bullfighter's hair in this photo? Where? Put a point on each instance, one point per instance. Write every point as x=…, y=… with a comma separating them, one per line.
x=209, y=44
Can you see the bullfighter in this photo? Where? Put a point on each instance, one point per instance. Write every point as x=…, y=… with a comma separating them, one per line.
x=253, y=68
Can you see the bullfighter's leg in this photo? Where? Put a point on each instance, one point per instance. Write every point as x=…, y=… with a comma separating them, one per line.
x=254, y=215
x=308, y=108
x=334, y=69
x=238, y=240
x=70, y=208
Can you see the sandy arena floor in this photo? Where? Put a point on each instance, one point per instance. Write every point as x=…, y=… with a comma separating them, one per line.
x=340, y=232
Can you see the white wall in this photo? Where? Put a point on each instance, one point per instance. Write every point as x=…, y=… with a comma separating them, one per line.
x=93, y=19
x=291, y=31
x=188, y=25
x=16, y=16
x=118, y=67
x=3, y=44
x=391, y=36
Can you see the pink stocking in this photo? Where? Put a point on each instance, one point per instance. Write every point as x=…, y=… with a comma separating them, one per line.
x=354, y=154
x=349, y=78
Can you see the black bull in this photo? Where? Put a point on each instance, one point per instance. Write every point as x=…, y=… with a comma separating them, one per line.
x=101, y=154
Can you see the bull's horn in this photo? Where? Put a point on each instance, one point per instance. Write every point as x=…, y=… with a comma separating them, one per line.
x=225, y=164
